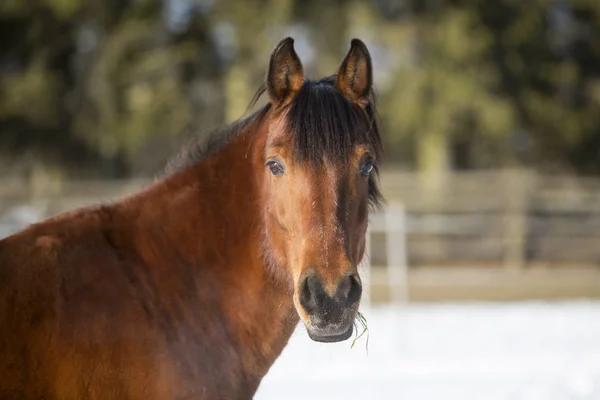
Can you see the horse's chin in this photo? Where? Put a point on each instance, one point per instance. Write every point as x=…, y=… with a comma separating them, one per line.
x=330, y=338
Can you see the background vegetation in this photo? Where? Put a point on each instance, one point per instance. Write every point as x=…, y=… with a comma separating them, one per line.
x=111, y=88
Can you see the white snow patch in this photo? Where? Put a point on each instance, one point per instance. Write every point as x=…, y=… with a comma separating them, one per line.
x=496, y=351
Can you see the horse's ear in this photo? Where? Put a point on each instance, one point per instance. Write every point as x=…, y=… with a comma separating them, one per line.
x=286, y=75
x=355, y=76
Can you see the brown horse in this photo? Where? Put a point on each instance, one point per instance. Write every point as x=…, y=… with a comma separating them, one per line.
x=191, y=288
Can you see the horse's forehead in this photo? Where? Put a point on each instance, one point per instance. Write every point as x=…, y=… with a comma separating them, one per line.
x=324, y=179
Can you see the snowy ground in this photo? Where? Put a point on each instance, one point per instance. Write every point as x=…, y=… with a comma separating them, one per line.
x=511, y=351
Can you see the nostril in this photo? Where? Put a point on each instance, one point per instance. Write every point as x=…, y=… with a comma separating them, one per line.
x=313, y=283
x=355, y=290
x=344, y=288
x=307, y=294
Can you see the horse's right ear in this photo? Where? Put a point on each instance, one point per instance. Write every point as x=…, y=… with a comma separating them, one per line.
x=286, y=75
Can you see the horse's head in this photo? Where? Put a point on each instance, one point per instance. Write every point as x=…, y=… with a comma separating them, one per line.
x=321, y=159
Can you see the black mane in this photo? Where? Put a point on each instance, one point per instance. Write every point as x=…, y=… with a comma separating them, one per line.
x=323, y=122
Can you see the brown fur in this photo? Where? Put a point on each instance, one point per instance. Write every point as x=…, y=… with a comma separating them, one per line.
x=186, y=290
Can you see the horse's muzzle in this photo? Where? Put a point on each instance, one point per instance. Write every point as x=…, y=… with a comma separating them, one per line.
x=331, y=317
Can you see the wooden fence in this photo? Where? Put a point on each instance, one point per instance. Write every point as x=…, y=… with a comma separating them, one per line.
x=512, y=218
x=495, y=235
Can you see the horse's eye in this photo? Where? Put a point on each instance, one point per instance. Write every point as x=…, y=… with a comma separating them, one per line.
x=275, y=167
x=366, y=167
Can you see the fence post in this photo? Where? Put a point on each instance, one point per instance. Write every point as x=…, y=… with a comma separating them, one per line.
x=517, y=188
x=365, y=273
x=397, y=268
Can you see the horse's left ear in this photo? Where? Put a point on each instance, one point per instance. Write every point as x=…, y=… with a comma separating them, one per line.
x=355, y=76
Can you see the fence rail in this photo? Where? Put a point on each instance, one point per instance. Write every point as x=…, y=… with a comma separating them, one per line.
x=512, y=218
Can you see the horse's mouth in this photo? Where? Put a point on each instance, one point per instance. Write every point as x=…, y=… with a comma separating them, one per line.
x=331, y=338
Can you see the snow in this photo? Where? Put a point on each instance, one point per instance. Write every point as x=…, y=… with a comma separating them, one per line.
x=495, y=351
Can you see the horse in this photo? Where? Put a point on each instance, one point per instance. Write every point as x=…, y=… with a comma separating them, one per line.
x=191, y=287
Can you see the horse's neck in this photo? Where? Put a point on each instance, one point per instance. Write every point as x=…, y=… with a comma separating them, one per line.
x=209, y=217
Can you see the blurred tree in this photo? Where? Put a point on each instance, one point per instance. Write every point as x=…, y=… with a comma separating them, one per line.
x=441, y=95
x=137, y=80
x=110, y=87
x=100, y=81
x=488, y=83
x=249, y=31
x=547, y=54
x=35, y=77
x=327, y=22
